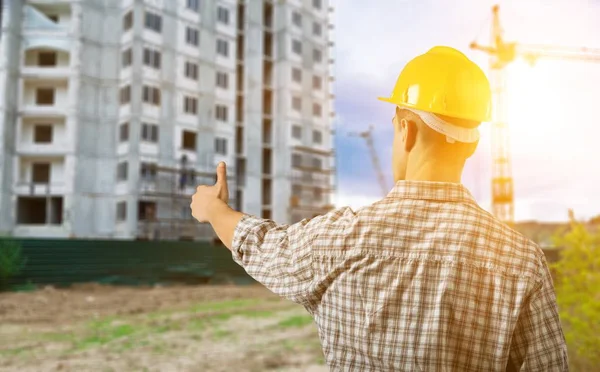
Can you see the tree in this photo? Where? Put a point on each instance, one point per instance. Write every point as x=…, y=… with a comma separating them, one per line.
x=595, y=220
x=577, y=285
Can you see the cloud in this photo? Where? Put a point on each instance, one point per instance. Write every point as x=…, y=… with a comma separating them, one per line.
x=354, y=200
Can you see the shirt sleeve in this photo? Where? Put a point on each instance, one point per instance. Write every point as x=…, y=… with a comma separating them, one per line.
x=280, y=257
x=538, y=342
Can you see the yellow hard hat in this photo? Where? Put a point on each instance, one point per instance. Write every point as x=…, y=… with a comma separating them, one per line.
x=444, y=81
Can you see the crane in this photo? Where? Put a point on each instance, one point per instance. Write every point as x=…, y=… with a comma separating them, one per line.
x=501, y=54
x=368, y=137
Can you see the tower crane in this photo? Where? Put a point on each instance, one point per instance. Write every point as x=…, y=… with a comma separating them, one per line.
x=368, y=137
x=502, y=53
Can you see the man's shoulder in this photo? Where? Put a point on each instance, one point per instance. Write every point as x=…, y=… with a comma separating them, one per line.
x=482, y=237
x=511, y=247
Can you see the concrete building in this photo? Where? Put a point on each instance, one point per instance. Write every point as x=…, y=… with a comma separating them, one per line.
x=112, y=111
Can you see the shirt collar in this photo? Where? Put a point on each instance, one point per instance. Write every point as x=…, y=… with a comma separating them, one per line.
x=429, y=190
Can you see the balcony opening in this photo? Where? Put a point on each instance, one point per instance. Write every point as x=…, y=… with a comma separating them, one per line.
x=31, y=211
x=296, y=190
x=188, y=140
x=268, y=15
x=47, y=59
x=39, y=210
x=266, y=161
x=267, y=103
x=240, y=171
x=148, y=172
x=40, y=173
x=296, y=160
x=239, y=194
x=44, y=96
x=239, y=110
x=241, y=16
x=267, y=133
x=121, y=211
x=266, y=191
x=40, y=57
x=146, y=211
x=240, y=49
x=240, y=79
x=318, y=194
x=42, y=133
x=268, y=40
x=239, y=140
x=268, y=73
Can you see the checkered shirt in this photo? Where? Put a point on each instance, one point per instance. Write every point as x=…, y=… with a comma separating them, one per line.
x=423, y=280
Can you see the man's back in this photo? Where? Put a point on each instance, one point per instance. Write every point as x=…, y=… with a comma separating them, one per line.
x=423, y=280
x=427, y=280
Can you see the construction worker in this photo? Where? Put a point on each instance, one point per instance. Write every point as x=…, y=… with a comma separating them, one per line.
x=424, y=279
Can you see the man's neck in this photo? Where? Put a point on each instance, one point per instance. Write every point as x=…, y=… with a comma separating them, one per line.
x=436, y=171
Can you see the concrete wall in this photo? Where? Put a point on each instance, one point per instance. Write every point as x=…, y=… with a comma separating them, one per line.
x=253, y=77
x=10, y=45
x=94, y=98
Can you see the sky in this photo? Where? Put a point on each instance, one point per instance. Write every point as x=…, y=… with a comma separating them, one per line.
x=551, y=106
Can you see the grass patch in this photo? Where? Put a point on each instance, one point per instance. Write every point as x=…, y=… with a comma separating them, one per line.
x=257, y=314
x=160, y=348
x=16, y=351
x=320, y=360
x=289, y=345
x=221, y=317
x=123, y=333
x=164, y=328
x=58, y=337
x=197, y=324
x=223, y=305
x=296, y=321
x=304, y=344
x=220, y=334
x=104, y=332
x=196, y=337
x=107, y=331
x=202, y=323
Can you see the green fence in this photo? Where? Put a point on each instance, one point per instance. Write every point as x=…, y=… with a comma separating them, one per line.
x=62, y=262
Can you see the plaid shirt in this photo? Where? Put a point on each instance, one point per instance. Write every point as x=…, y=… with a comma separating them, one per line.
x=423, y=280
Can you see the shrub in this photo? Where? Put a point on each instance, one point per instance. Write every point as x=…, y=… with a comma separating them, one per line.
x=11, y=261
x=577, y=285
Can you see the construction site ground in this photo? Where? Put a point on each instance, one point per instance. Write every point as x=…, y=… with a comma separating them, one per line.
x=195, y=328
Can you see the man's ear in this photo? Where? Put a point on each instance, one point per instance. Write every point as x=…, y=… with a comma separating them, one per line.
x=409, y=134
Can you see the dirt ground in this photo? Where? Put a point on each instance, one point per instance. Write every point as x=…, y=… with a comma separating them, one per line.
x=201, y=328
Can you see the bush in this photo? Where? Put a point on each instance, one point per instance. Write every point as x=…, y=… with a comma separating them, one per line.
x=11, y=261
x=577, y=286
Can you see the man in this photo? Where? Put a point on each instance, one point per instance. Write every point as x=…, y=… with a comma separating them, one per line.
x=423, y=280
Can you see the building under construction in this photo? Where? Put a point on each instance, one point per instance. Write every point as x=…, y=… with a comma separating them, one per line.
x=112, y=113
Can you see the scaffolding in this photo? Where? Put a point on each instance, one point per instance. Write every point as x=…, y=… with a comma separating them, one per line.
x=312, y=183
x=165, y=195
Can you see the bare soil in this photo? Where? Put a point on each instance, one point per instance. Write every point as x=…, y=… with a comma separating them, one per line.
x=201, y=328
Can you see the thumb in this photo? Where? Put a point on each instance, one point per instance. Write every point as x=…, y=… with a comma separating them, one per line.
x=221, y=174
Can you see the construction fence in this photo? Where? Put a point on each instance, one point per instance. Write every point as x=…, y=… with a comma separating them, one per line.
x=63, y=262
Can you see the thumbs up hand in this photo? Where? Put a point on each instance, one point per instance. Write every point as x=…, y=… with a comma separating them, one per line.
x=207, y=197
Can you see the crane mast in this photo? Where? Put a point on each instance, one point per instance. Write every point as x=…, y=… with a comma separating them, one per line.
x=502, y=180
x=368, y=137
x=501, y=54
